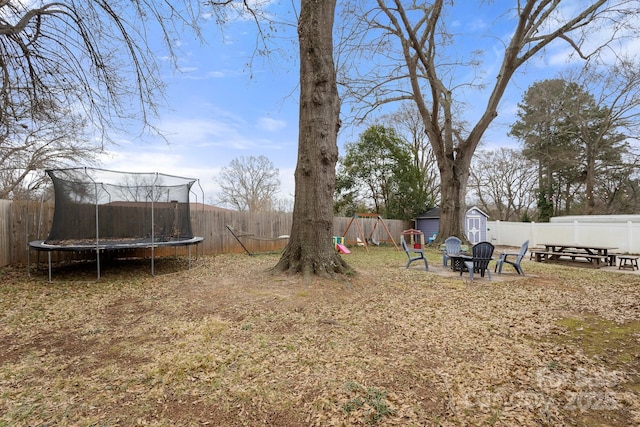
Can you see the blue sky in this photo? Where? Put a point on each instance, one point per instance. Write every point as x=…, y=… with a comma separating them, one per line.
x=218, y=109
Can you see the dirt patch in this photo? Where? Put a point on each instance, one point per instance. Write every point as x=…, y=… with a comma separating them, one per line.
x=232, y=344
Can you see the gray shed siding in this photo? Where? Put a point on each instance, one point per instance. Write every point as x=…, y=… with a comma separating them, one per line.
x=475, y=225
x=428, y=226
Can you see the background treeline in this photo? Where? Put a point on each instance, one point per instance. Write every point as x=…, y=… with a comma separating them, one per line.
x=578, y=155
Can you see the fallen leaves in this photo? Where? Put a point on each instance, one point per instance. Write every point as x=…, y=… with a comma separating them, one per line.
x=231, y=344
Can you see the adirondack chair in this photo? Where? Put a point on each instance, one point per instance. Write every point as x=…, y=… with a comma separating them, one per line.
x=452, y=246
x=502, y=259
x=480, y=257
x=414, y=255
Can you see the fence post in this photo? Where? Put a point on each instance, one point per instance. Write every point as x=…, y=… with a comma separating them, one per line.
x=533, y=237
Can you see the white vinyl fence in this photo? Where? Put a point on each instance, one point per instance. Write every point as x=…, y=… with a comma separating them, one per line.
x=625, y=236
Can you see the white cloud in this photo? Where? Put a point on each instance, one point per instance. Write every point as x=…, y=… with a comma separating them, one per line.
x=163, y=160
x=238, y=12
x=223, y=131
x=199, y=147
x=271, y=125
x=216, y=74
x=287, y=183
x=477, y=24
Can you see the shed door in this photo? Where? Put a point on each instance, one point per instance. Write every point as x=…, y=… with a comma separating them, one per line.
x=473, y=228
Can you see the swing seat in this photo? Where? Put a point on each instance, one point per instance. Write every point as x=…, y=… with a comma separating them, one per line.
x=363, y=240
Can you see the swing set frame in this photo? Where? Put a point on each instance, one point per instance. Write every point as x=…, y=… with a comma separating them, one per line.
x=379, y=219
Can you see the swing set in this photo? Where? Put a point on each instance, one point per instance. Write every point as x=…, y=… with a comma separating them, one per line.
x=371, y=238
x=239, y=235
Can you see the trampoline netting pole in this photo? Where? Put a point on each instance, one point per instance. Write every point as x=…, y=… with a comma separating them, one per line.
x=153, y=237
x=122, y=200
x=201, y=212
x=95, y=187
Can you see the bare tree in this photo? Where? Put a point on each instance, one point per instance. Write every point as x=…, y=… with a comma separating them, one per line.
x=310, y=250
x=47, y=143
x=249, y=184
x=72, y=67
x=503, y=184
x=90, y=55
x=549, y=139
x=580, y=130
x=606, y=135
x=413, y=56
x=410, y=127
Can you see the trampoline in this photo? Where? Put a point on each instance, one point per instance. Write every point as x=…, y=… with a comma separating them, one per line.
x=98, y=210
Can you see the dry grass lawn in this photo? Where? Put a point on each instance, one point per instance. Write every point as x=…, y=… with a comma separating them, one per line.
x=230, y=344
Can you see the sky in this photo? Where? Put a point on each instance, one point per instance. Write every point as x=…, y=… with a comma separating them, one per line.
x=218, y=109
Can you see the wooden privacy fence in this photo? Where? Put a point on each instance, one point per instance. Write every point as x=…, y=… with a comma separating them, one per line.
x=22, y=222
x=6, y=225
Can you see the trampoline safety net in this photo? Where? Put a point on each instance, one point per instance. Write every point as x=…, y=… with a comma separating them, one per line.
x=100, y=205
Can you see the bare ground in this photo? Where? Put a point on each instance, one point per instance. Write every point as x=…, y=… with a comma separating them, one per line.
x=230, y=344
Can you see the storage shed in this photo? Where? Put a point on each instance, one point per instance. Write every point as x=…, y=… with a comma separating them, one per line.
x=475, y=224
x=428, y=222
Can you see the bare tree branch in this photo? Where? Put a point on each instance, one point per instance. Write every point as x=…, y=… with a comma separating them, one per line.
x=410, y=52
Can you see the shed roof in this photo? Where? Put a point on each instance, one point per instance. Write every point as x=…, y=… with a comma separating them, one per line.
x=479, y=210
x=430, y=214
x=434, y=213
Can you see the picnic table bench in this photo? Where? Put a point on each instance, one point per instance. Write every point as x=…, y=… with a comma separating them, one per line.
x=628, y=261
x=596, y=256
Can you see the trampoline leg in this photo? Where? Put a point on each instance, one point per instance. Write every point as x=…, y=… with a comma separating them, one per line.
x=49, y=259
x=29, y=261
x=98, y=263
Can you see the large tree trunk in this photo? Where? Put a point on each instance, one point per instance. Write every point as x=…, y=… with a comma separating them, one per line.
x=453, y=191
x=310, y=249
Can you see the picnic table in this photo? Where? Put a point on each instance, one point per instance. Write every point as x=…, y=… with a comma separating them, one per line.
x=597, y=256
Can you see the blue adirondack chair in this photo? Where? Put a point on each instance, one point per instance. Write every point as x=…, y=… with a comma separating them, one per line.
x=414, y=255
x=502, y=259
x=452, y=246
x=480, y=257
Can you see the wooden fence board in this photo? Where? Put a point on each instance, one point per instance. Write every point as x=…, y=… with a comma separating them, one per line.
x=5, y=232
x=22, y=222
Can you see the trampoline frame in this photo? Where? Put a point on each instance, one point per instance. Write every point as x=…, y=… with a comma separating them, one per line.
x=105, y=245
